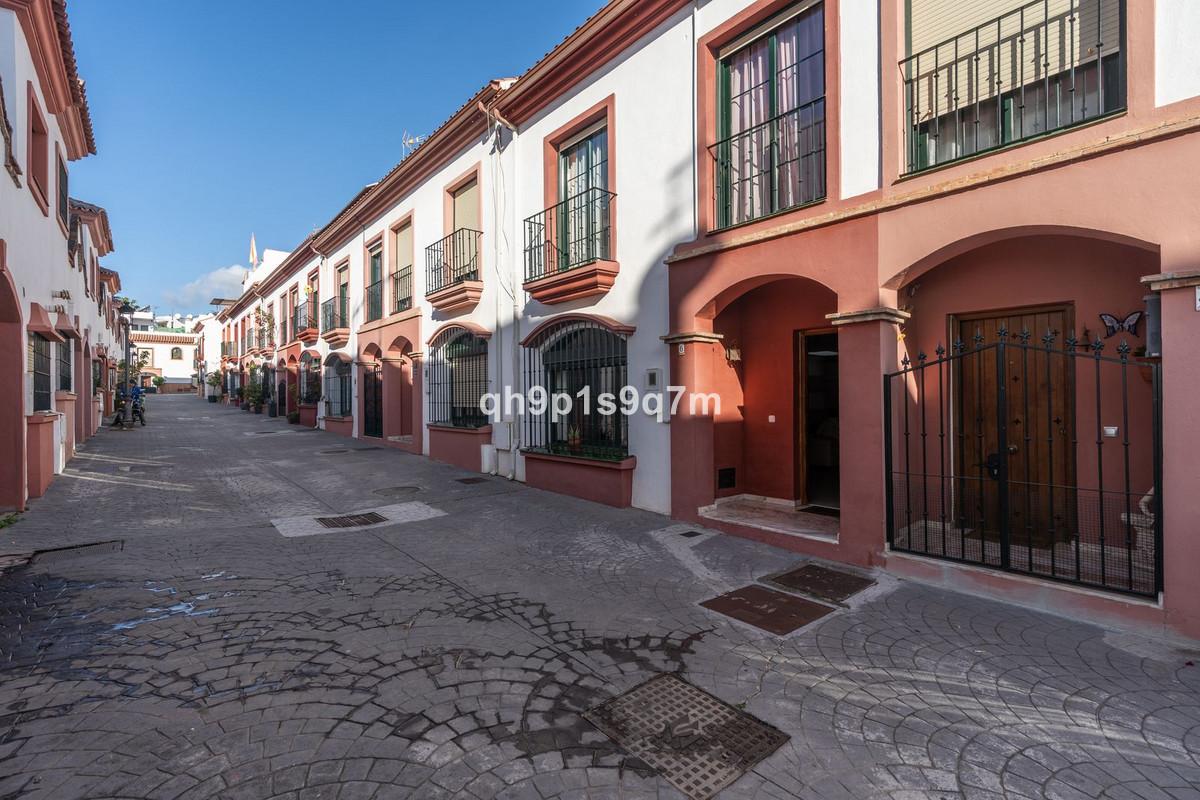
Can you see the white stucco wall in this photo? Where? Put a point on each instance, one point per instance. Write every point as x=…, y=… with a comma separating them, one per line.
x=1176, y=55
x=36, y=245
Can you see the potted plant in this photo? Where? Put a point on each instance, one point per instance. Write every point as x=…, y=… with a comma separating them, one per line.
x=293, y=416
x=574, y=440
x=254, y=398
x=215, y=383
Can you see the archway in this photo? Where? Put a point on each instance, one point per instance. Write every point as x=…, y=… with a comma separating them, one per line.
x=12, y=413
x=776, y=433
x=1023, y=435
x=282, y=400
x=398, y=392
x=372, y=390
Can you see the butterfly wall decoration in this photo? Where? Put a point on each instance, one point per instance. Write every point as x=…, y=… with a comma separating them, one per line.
x=1114, y=325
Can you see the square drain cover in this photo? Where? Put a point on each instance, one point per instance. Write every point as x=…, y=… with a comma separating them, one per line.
x=767, y=609
x=352, y=520
x=823, y=583
x=697, y=742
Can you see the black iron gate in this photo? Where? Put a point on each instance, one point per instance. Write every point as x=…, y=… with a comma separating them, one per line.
x=1041, y=458
x=372, y=401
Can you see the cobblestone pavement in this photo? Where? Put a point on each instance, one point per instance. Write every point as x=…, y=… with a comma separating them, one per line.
x=452, y=655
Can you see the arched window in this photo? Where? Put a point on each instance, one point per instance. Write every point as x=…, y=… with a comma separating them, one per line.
x=176, y=353
x=310, y=379
x=583, y=360
x=458, y=378
x=338, y=402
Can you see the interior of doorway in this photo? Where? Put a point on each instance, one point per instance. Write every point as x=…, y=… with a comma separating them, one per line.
x=818, y=470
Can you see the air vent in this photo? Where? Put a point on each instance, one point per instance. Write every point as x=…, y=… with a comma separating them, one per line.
x=727, y=478
x=352, y=520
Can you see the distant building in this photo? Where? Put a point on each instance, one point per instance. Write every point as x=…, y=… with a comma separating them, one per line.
x=170, y=356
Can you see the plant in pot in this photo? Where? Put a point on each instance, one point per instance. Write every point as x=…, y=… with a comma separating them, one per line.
x=254, y=397
x=574, y=440
x=215, y=383
x=1145, y=363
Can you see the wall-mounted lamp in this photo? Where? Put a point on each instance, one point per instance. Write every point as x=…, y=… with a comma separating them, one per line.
x=733, y=353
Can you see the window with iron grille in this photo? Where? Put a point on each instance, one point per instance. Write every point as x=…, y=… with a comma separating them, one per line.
x=583, y=360
x=39, y=368
x=458, y=379
x=95, y=377
x=63, y=194
x=310, y=379
x=64, y=367
x=771, y=156
x=337, y=389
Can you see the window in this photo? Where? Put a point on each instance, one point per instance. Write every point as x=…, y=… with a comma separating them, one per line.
x=771, y=154
x=374, y=293
x=39, y=154
x=582, y=224
x=310, y=379
x=343, y=294
x=64, y=367
x=176, y=353
x=39, y=369
x=583, y=360
x=455, y=258
x=402, y=287
x=63, y=196
x=337, y=389
x=458, y=379
x=96, y=376
x=975, y=81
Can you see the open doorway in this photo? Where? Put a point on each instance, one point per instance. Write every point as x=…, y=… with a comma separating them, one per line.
x=818, y=485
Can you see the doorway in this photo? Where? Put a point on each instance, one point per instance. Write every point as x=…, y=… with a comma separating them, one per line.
x=818, y=466
x=372, y=401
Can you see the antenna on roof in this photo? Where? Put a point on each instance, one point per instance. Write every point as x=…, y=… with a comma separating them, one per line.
x=411, y=141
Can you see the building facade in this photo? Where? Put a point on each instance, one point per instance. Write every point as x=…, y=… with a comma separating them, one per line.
x=59, y=328
x=169, y=356
x=921, y=273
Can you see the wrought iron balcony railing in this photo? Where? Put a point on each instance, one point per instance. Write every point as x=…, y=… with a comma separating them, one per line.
x=333, y=314
x=771, y=167
x=1045, y=67
x=452, y=260
x=374, y=301
x=569, y=234
x=402, y=289
x=303, y=318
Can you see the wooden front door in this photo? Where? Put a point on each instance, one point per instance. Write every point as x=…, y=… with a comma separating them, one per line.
x=1014, y=417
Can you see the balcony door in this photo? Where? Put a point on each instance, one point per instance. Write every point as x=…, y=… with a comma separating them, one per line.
x=583, y=192
x=462, y=255
x=771, y=156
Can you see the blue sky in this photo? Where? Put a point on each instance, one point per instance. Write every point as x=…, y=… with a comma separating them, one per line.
x=218, y=118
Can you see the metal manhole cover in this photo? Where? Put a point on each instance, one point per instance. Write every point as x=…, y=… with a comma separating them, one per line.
x=352, y=520
x=470, y=481
x=767, y=609
x=694, y=740
x=397, y=491
x=62, y=553
x=823, y=583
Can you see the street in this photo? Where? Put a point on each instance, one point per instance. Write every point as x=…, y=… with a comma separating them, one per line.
x=180, y=624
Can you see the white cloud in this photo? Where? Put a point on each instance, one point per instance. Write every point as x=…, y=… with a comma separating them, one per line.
x=223, y=282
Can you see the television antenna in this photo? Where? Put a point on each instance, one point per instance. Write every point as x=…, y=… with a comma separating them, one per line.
x=411, y=141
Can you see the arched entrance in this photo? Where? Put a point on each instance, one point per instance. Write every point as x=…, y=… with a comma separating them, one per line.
x=282, y=400
x=1023, y=428
x=12, y=412
x=398, y=372
x=371, y=375
x=776, y=434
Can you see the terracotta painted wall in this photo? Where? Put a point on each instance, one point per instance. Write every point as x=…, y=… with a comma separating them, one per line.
x=763, y=323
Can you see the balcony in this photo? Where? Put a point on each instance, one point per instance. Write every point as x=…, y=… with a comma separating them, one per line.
x=335, y=321
x=772, y=167
x=452, y=271
x=373, y=305
x=1038, y=70
x=402, y=290
x=304, y=322
x=569, y=248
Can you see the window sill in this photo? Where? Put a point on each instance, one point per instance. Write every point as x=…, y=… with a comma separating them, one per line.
x=624, y=463
x=39, y=196
x=485, y=430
